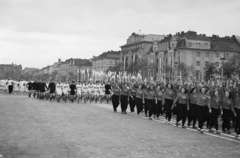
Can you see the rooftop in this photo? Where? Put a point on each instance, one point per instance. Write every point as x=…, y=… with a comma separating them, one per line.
x=109, y=54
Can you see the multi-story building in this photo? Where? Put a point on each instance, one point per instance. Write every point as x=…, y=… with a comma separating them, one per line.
x=29, y=71
x=10, y=71
x=106, y=60
x=137, y=47
x=161, y=56
x=193, y=50
x=69, y=68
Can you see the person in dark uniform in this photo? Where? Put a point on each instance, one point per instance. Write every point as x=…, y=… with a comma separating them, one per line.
x=182, y=106
x=192, y=116
x=132, y=97
x=124, y=97
x=52, y=89
x=108, y=93
x=169, y=97
x=73, y=90
x=42, y=89
x=116, y=96
x=139, y=98
x=160, y=103
x=30, y=88
x=34, y=85
x=38, y=82
x=146, y=99
x=10, y=86
x=152, y=101
x=227, y=106
x=216, y=108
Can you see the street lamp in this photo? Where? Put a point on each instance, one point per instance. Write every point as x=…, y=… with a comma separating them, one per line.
x=222, y=59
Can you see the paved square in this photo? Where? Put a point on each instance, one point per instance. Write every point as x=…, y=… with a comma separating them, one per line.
x=31, y=128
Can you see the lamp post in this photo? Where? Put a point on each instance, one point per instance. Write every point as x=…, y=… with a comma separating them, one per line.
x=222, y=59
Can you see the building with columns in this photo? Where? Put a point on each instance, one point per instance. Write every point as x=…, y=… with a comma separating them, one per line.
x=106, y=60
x=137, y=47
x=192, y=49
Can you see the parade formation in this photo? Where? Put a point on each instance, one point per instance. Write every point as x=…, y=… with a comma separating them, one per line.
x=194, y=104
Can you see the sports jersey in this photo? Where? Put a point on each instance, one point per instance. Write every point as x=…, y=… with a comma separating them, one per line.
x=85, y=88
x=102, y=89
x=65, y=88
x=95, y=88
x=79, y=88
x=90, y=88
x=21, y=86
x=59, y=88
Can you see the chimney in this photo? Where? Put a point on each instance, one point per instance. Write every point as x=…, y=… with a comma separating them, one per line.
x=204, y=35
x=59, y=60
x=182, y=32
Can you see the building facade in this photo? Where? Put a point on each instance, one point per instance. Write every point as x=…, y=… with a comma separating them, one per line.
x=136, y=48
x=29, y=71
x=193, y=50
x=106, y=60
x=11, y=71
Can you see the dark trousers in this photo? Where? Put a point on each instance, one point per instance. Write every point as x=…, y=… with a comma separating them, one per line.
x=202, y=115
x=115, y=101
x=226, y=119
x=124, y=102
x=181, y=112
x=146, y=106
x=168, y=108
x=159, y=108
x=192, y=115
x=233, y=118
x=214, y=118
x=10, y=89
x=139, y=104
x=132, y=103
x=237, y=124
x=151, y=106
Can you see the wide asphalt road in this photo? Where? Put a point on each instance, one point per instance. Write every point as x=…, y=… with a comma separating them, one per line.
x=30, y=128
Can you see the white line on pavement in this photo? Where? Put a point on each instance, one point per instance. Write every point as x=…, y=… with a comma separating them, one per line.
x=173, y=123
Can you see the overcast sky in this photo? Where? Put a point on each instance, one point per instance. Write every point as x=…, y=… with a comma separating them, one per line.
x=35, y=33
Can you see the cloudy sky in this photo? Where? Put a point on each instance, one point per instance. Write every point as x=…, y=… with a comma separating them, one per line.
x=35, y=33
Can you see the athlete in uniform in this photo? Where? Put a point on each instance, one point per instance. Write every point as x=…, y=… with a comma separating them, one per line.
x=59, y=90
x=65, y=91
x=52, y=89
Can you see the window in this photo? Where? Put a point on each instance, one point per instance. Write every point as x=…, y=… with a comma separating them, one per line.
x=190, y=44
x=217, y=64
x=198, y=63
x=206, y=63
x=198, y=45
x=217, y=55
x=206, y=45
x=207, y=54
x=226, y=55
x=198, y=54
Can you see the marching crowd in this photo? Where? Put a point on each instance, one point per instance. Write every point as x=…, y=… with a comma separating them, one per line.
x=192, y=101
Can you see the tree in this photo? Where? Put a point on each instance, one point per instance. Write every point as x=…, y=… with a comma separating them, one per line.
x=54, y=74
x=133, y=67
x=235, y=62
x=72, y=76
x=115, y=68
x=210, y=70
x=229, y=69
